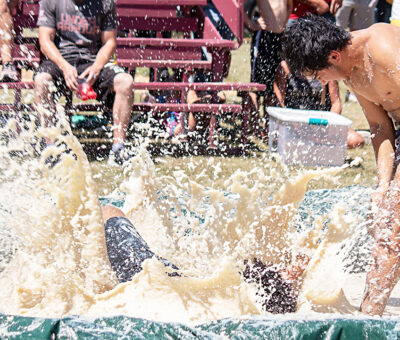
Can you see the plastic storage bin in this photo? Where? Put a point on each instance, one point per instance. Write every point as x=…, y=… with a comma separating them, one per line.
x=307, y=137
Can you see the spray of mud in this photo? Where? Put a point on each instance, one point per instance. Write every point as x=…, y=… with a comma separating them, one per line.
x=57, y=265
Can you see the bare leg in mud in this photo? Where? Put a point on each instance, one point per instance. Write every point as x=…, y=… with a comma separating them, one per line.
x=109, y=211
x=384, y=271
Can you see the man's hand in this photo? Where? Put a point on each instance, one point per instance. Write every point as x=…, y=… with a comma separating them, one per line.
x=92, y=73
x=253, y=26
x=70, y=76
x=335, y=5
x=261, y=23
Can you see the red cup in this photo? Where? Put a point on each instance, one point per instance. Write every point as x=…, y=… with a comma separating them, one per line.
x=85, y=91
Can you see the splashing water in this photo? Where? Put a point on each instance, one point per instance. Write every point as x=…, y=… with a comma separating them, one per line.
x=54, y=258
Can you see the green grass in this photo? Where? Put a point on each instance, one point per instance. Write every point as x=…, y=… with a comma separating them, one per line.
x=364, y=174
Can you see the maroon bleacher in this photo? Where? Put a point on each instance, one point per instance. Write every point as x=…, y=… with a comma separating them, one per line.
x=195, y=31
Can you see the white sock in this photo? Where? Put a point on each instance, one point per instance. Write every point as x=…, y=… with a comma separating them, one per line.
x=117, y=146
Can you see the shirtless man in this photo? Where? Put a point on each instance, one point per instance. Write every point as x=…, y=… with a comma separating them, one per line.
x=266, y=46
x=368, y=62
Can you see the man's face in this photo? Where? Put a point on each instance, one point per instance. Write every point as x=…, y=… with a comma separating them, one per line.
x=325, y=75
x=332, y=72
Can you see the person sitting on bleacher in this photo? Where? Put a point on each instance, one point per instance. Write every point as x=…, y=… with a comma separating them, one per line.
x=8, y=72
x=78, y=37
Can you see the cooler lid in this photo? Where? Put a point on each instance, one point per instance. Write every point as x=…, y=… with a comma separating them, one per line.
x=311, y=117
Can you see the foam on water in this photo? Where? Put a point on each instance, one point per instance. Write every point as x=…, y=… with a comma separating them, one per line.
x=59, y=264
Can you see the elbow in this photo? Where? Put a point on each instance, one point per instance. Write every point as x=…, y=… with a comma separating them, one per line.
x=43, y=46
x=114, y=46
x=43, y=49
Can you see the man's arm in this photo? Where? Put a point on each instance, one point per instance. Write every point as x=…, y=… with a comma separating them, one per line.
x=382, y=131
x=335, y=5
x=109, y=40
x=250, y=24
x=49, y=49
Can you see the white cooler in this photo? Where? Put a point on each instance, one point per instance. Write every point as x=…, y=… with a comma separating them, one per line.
x=307, y=137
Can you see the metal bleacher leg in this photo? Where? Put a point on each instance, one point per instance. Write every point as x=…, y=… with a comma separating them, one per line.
x=217, y=76
x=246, y=109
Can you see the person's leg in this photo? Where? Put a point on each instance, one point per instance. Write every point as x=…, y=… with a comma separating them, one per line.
x=384, y=270
x=126, y=249
x=44, y=91
x=267, y=64
x=9, y=72
x=123, y=87
x=113, y=78
x=362, y=18
x=44, y=102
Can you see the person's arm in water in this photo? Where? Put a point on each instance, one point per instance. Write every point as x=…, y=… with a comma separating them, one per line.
x=384, y=270
x=109, y=40
x=382, y=131
x=50, y=50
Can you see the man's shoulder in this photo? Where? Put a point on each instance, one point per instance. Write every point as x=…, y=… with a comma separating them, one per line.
x=382, y=36
x=382, y=30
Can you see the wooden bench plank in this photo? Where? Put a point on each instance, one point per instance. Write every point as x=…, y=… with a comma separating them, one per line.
x=147, y=11
x=181, y=24
x=250, y=87
x=23, y=85
x=184, y=64
x=163, y=2
x=210, y=108
x=216, y=43
x=159, y=53
x=173, y=86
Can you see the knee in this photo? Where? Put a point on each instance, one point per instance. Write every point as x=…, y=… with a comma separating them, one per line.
x=4, y=7
x=42, y=81
x=123, y=84
x=109, y=211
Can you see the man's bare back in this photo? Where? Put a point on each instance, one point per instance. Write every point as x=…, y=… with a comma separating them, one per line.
x=377, y=77
x=369, y=62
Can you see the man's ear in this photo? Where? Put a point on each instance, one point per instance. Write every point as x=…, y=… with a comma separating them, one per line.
x=335, y=57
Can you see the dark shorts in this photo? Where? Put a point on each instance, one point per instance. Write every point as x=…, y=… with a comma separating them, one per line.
x=127, y=250
x=397, y=146
x=278, y=296
x=102, y=86
x=265, y=58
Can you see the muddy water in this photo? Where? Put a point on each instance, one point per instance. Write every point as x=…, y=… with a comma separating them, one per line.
x=206, y=215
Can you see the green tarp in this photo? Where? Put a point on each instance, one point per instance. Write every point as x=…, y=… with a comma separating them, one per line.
x=316, y=203
x=274, y=327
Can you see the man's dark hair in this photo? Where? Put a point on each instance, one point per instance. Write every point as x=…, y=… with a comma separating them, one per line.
x=307, y=43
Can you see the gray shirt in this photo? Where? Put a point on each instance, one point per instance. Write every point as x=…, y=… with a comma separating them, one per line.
x=78, y=24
